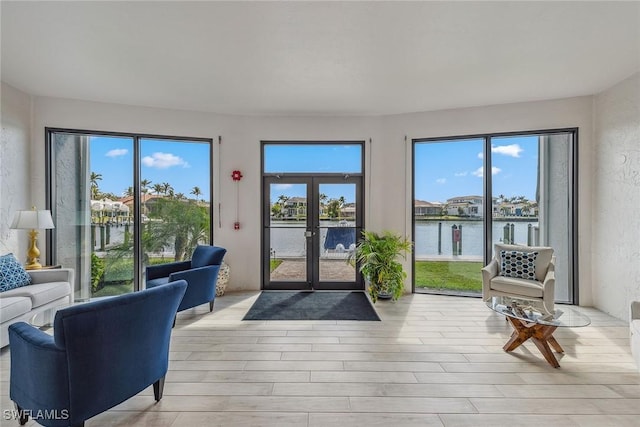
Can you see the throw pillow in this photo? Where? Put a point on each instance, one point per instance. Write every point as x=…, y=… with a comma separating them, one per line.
x=12, y=273
x=519, y=265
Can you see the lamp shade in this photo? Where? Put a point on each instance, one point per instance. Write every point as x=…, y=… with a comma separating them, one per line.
x=32, y=220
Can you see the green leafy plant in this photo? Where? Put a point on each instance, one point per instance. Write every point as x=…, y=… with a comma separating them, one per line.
x=97, y=272
x=377, y=255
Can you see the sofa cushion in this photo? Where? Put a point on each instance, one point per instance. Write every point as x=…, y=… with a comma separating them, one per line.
x=12, y=273
x=157, y=282
x=205, y=255
x=41, y=293
x=12, y=307
x=518, y=264
x=523, y=287
x=543, y=258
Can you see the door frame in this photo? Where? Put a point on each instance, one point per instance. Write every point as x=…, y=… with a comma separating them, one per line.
x=313, y=252
x=313, y=209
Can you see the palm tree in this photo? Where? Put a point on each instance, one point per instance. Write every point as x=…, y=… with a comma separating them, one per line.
x=158, y=188
x=323, y=198
x=180, y=196
x=196, y=192
x=129, y=192
x=93, y=181
x=144, y=189
x=167, y=188
x=342, y=201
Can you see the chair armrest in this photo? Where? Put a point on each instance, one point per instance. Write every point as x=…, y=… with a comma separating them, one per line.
x=488, y=272
x=164, y=270
x=197, y=276
x=549, y=289
x=51, y=275
x=39, y=374
x=635, y=310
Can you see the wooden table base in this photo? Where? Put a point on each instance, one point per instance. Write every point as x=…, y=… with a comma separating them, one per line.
x=541, y=335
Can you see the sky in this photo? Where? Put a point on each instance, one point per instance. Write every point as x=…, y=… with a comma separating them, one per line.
x=443, y=169
x=455, y=168
x=182, y=164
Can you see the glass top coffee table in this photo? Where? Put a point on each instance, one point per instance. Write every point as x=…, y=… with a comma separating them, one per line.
x=529, y=323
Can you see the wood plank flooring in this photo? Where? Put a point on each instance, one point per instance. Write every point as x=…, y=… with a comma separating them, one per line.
x=432, y=361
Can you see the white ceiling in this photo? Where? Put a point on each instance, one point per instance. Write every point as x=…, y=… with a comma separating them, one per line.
x=317, y=58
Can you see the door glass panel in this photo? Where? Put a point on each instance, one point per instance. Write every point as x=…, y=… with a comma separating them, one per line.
x=337, y=219
x=448, y=211
x=175, y=199
x=288, y=232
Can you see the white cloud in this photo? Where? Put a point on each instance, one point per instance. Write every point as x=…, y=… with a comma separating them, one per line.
x=512, y=150
x=465, y=173
x=117, y=152
x=480, y=171
x=163, y=161
x=441, y=180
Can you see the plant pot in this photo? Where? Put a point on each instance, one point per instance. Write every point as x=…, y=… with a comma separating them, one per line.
x=223, y=279
x=384, y=295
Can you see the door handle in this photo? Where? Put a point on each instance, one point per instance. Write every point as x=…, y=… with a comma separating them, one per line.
x=308, y=234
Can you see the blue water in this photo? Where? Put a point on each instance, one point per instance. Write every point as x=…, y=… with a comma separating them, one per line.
x=288, y=239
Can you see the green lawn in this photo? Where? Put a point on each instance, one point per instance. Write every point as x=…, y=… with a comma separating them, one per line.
x=449, y=275
x=275, y=263
x=113, y=289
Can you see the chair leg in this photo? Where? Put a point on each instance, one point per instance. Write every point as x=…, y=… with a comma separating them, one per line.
x=158, y=387
x=211, y=305
x=23, y=417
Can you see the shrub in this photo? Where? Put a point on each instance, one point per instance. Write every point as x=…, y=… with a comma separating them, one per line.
x=97, y=272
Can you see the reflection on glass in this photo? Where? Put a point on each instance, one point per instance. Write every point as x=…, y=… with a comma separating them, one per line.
x=94, y=225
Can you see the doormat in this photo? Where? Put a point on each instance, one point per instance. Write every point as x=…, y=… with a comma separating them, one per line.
x=319, y=305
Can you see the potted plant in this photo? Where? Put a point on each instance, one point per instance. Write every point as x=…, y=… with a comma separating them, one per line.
x=377, y=256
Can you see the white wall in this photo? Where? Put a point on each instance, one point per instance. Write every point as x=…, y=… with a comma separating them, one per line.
x=616, y=198
x=388, y=165
x=15, y=167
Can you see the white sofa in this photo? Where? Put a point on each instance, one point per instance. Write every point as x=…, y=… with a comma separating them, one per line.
x=48, y=289
x=634, y=326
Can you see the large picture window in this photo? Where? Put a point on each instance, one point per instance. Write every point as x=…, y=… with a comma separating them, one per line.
x=472, y=192
x=121, y=202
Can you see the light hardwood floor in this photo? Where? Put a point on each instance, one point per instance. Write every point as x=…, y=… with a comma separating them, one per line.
x=431, y=361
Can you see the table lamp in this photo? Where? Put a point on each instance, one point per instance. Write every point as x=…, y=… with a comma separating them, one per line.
x=32, y=220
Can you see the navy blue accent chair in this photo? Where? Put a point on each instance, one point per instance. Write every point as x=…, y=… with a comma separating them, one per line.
x=101, y=354
x=201, y=274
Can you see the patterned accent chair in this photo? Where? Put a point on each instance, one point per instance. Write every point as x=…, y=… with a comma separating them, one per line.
x=201, y=274
x=524, y=272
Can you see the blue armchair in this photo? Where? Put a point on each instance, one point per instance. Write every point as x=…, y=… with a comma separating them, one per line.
x=201, y=274
x=101, y=354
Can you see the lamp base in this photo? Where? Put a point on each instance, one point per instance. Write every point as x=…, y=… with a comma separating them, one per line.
x=33, y=266
x=33, y=253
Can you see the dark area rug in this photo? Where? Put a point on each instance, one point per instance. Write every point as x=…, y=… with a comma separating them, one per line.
x=319, y=305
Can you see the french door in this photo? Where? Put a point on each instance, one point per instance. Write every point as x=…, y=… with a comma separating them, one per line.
x=311, y=226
